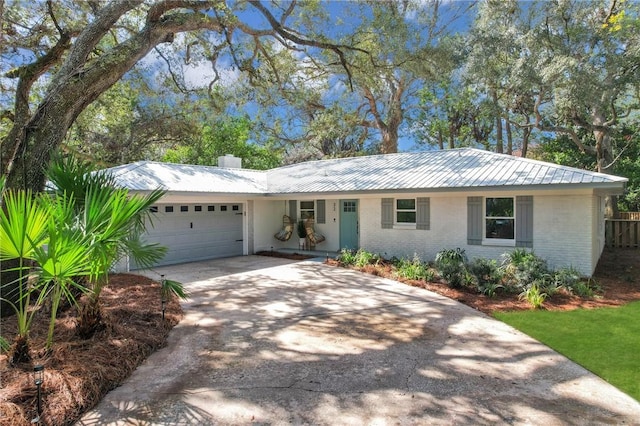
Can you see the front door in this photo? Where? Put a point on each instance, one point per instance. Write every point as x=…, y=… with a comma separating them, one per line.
x=349, y=224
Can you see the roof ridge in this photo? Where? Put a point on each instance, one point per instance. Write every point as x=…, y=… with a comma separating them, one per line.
x=430, y=151
x=544, y=163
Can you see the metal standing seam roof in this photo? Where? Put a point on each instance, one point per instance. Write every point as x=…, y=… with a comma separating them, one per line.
x=150, y=175
x=429, y=170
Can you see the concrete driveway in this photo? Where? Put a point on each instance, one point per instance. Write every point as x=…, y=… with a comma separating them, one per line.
x=270, y=341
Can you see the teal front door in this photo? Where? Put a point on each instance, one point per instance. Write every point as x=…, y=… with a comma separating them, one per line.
x=349, y=224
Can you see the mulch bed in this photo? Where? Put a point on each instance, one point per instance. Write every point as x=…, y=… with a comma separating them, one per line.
x=617, y=273
x=78, y=373
x=292, y=256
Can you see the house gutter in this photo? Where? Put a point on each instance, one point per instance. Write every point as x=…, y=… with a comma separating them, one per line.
x=612, y=188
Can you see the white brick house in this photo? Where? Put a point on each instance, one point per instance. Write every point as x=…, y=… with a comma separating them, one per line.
x=395, y=205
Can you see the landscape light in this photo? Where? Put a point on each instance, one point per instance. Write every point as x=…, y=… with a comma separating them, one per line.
x=163, y=292
x=38, y=378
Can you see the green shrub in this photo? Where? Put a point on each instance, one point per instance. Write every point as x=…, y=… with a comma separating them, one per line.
x=548, y=284
x=587, y=288
x=413, y=269
x=534, y=296
x=490, y=289
x=364, y=258
x=516, y=257
x=451, y=266
x=468, y=279
x=486, y=271
x=521, y=268
x=572, y=280
x=450, y=256
x=566, y=277
x=347, y=257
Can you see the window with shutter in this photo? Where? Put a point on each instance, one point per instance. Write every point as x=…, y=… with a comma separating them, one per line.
x=423, y=220
x=524, y=221
x=387, y=213
x=474, y=220
x=321, y=211
x=293, y=210
x=500, y=220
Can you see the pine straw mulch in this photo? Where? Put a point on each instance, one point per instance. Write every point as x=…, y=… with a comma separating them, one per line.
x=78, y=373
x=292, y=256
x=617, y=274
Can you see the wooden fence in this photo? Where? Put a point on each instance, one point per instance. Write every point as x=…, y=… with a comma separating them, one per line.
x=630, y=215
x=622, y=233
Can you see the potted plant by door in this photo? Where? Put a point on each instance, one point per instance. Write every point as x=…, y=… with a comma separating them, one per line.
x=302, y=234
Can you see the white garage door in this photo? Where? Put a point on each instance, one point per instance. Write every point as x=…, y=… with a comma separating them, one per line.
x=196, y=231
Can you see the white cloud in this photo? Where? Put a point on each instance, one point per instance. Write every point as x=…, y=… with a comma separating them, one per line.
x=200, y=75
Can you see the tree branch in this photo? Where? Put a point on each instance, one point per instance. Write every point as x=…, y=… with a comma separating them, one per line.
x=558, y=129
x=288, y=35
x=373, y=108
x=179, y=85
x=91, y=36
x=53, y=17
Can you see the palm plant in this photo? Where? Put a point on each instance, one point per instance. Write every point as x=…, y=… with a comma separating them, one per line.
x=50, y=241
x=64, y=260
x=23, y=228
x=111, y=220
x=49, y=254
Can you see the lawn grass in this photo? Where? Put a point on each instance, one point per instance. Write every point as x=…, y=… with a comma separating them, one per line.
x=605, y=341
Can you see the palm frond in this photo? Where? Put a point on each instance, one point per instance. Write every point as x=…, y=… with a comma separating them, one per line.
x=23, y=225
x=169, y=287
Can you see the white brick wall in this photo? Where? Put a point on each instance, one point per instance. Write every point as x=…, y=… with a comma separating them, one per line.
x=562, y=231
x=407, y=242
x=563, y=227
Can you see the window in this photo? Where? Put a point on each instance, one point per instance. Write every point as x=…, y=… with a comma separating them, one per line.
x=168, y=209
x=154, y=209
x=223, y=208
x=405, y=210
x=211, y=208
x=499, y=218
x=349, y=206
x=235, y=207
x=406, y=213
x=184, y=208
x=506, y=221
x=197, y=208
x=307, y=210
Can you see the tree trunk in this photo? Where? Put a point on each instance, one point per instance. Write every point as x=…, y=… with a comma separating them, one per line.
x=90, y=319
x=20, y=351
x=499, y=143
x=526, y=132
x=389, y=128
x=605, y=162
x=389, y=140
x=509, y=137
x=605, y=159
